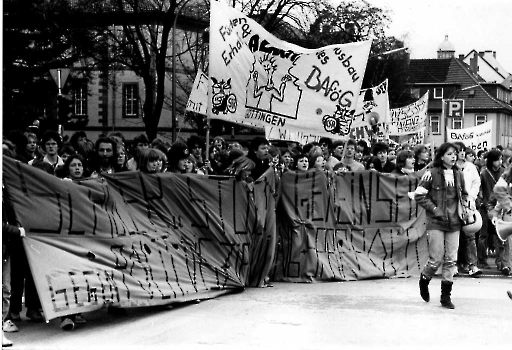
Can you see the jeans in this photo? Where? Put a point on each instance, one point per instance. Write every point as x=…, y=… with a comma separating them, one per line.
x=6, y=286
x=471, y=258
x=483, y=236
x=442, y=249
x=503, y=252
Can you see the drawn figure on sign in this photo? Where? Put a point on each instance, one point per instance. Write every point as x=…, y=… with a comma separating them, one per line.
x=340, y=122
x=368, y=102
x=268, y=92
x=223, y=100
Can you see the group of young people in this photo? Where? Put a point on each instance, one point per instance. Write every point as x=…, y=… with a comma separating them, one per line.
x=454, y=184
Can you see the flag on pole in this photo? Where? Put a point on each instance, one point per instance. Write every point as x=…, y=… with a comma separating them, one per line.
x=198, y=99
x=263, y=81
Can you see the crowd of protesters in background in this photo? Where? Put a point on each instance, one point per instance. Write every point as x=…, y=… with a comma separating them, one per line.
x=77, y=158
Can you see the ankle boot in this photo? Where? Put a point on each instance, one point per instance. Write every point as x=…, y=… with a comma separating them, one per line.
x=446, y=290
x=424, y=281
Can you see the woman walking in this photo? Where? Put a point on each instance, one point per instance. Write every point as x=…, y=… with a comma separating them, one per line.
x=442, y=197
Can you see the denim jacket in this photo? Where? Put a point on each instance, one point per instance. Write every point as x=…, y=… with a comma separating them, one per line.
x=436, y=202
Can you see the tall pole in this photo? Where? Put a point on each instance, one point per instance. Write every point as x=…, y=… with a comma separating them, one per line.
x=174, y=119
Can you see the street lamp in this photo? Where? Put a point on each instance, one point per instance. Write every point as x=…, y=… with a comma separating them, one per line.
x=444, y=112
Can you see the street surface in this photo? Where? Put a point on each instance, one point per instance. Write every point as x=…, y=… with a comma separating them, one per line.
x=383, y=314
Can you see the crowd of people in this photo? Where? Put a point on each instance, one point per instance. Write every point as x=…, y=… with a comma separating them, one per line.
x=77, y=158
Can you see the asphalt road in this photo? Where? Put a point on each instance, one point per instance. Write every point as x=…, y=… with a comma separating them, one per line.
x=384, y=314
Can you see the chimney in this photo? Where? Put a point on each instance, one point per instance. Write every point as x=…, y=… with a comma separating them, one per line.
x=481, y=53
x=473, y=64
x=461, y=56
x=494, y=54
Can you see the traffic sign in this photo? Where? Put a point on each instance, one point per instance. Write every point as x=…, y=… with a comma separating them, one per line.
x=455, y=108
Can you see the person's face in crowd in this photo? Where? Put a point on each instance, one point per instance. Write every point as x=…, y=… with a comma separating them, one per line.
x=51, y=146
x=244, y=174
x=105, y=151
x=325, y=149
x=383, y=156
x=497, y=164
x=65, y=156
x=218, y=143
x=236, y=145
x=189, y=166
x=371, y=166
x=358, y=156
x=302, y=164
x=182, y=164
x=423, y=156
x=287, y=159
x=141, y=146
x=31, y=145
x=449, y=158
x=153, y=166
x=76, y=169
x=338, y=151
x=360, y=148
x=262, y=152
x=121, y=155
x=392, y=155
x=81, y=140
x=160, y=164
x=276, y=159
x=197, y=151
x=409, y=163
x=470, y=157
x=320, y=163
x=461, y=154
x=350, y=152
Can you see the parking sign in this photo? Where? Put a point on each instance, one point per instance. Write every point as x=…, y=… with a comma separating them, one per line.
x=455, y=108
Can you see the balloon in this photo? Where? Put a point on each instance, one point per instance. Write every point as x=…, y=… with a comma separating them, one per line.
x=374, y=118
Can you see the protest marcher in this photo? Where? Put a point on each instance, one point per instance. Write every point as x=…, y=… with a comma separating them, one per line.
x=74, y=168
x=373, y=163
x=404, y=163
x=50, y=143
x=301, y=162
x=178, y=157
x=380, y=149
x=196, y=147
x=33, y=150
x=442, y=197
x=140, y=143
x=149, y=161
x=472, y=181
x=105, y=157
x=348, y=163
x=259, y=155
x=502, y=196
x=122, y=159
x=488, y=178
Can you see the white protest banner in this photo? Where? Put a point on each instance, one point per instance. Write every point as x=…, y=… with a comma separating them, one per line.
x=477, y=137
x=409, y=119
x=198, y=99
x=373, y=100
x=264, y=81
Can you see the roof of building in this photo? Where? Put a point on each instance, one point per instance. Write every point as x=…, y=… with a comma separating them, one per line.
x=446, y=45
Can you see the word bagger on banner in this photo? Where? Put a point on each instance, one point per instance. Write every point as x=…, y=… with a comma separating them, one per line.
x=261, y=80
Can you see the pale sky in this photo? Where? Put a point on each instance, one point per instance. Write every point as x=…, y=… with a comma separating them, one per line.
x=470, y=25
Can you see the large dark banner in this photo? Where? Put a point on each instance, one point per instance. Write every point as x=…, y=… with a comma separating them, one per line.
x=355, y=226
x=134, y=239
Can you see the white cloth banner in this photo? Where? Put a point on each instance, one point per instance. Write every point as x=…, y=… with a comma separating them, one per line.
x=409, y=119
x=370, y=100
x=261, y=80
x=198, y=99
x=477, y=137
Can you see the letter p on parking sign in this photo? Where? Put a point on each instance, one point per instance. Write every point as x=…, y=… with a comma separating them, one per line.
x=455, y=108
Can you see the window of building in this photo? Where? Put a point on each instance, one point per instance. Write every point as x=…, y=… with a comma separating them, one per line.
x=131, y=100
x=435, y=124
x=438, y=93
x=80, y=100
x=457, y=123
x=480, y=119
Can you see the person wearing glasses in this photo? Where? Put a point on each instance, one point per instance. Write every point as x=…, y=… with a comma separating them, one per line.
x=50, y=143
